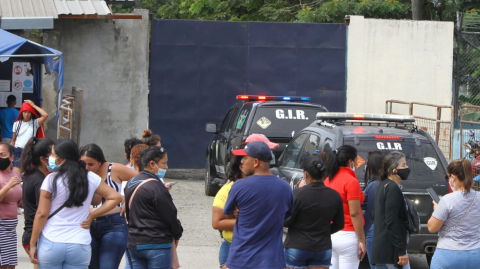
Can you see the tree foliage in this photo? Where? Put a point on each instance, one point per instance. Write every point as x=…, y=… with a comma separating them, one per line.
x=300, y=10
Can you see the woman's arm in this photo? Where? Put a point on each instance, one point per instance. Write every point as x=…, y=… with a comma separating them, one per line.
x=122, y=173
x=112, y=197
x=434, y=224
x=14, y=181
x=39, y=222
x=14, y=138
x=43, y=113
x=339, y=219
x=220, y=221
x=357, y=221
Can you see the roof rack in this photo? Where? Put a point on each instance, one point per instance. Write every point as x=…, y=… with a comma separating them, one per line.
x=362, y=117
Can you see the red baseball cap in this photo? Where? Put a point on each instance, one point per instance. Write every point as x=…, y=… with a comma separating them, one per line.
x=263, y=138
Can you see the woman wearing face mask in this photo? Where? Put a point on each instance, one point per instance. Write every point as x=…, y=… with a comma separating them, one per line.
x=25, y=127
x=10, y=196
x=390, y=237
x=35, y=167
x=61, y=225
x=109, y=231
x=348, y=245
x=456, y=219
x=153, y=227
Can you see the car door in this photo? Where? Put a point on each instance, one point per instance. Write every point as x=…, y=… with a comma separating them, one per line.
x=288, y=168
x=222, y=143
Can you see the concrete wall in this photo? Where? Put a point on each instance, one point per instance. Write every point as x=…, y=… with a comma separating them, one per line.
x=401, y=60
x=109, y=61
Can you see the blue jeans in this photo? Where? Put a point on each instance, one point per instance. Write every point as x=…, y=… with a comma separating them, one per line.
x=17, y=153
x=297, y=258
x=391, y=266
x=369, y=239
x=62, y=256
x=455, y=259
x=223, y=253
x=150, y=259
x=109, y=241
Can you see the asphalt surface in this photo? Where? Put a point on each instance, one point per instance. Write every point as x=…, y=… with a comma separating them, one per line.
x=198, y=248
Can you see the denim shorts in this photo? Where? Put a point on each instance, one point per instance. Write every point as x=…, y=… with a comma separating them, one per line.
x=223, y=253
x=297, y=258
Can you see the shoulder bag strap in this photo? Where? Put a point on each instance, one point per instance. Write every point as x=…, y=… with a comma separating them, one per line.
x=58, y=210
x=473, y=202
x=136, y=189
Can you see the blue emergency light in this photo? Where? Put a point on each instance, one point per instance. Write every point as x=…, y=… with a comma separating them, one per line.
x=271, y=98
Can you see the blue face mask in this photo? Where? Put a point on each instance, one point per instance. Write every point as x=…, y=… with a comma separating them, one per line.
x=52, y=166
x=161, y=172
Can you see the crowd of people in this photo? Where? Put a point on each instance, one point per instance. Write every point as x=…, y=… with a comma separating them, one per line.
x=77, y=214
x=84, y=212
x=331, y=222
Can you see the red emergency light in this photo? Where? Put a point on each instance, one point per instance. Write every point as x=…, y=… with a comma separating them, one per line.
x=386, y=137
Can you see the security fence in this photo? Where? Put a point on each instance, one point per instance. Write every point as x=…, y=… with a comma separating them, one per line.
x=467, y=60
x=439, y=125
x=469, y=129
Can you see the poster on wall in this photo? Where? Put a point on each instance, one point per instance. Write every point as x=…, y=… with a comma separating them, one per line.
x=22, y=77
x=4, y=85
x=4, y=96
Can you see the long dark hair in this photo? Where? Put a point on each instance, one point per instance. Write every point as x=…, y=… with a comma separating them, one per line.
x=74, y=172
x=315, y=167
x=34, y=149
x=153, y=153
x=374, y=165
x=234, y=173
x=463, y=170
x=93, y=151
x=340, y=157
x=390, y=162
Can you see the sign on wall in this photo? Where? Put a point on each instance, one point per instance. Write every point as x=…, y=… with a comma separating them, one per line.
x=22, y=78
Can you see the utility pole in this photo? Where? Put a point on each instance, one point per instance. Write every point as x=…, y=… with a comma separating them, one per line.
x=417, y=10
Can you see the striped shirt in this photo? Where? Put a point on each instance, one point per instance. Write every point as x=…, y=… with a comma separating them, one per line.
x=451, y=209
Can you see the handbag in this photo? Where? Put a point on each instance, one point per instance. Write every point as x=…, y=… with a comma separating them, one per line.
x=175, y=262
x=473, y=202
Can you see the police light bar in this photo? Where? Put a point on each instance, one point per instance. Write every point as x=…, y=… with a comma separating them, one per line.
x=358, y=116
x=271, y=98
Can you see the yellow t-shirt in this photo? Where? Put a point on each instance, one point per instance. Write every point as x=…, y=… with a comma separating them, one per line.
x=220, y=201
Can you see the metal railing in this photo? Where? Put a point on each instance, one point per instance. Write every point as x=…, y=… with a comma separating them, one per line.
x=439, y=128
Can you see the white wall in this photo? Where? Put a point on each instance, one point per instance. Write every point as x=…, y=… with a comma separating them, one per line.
x=398, y=59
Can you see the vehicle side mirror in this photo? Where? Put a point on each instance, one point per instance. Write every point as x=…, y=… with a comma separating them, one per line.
x=211, y=128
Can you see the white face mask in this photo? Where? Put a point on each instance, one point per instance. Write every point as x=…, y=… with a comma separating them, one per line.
x=353, y=168
x=452, y=184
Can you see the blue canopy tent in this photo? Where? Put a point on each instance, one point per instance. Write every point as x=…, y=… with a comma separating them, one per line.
x=13, y=46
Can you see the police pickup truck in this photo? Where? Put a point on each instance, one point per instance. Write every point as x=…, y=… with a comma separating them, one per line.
x=277, y=117
x=376, y=132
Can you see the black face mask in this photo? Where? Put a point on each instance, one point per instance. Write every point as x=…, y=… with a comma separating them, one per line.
x=403, y=173
x=4, y=163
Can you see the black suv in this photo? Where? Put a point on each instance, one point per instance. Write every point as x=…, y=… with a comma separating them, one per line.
x=369, y=132
x=277, y=117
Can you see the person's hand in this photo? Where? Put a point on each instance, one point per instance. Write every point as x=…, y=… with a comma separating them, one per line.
x=169, y=185
x=33, y=254
x=235, y=212
x=403, y=260
x=86, y=223
x=29, y=102
x=434, y=204
x=362, y=250
x=14, y=181
x=176, y=243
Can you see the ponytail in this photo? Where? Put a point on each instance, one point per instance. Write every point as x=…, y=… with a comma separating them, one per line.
x=315, y=167
x=33, y=150
x=340, y=157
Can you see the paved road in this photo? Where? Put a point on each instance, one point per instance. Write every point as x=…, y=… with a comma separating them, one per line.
x=199, y=245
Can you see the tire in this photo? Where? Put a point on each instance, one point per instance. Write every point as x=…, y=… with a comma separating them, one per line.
x=210, y=189
x=429, y=258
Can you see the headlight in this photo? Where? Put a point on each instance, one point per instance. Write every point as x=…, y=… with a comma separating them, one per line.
x=467, y=150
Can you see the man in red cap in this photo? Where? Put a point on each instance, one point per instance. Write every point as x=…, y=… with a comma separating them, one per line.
x=264, y=202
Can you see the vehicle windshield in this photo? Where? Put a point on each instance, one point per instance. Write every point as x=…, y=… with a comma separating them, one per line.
x=422, y=160
x=283, y=121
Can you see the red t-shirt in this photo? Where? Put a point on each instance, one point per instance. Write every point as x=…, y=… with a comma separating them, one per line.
x=346, y=184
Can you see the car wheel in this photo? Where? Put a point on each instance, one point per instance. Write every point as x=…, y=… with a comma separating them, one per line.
x=429, y=258
x=210, y=189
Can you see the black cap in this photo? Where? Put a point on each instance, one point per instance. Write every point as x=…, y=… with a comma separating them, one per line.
x=256, y=149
